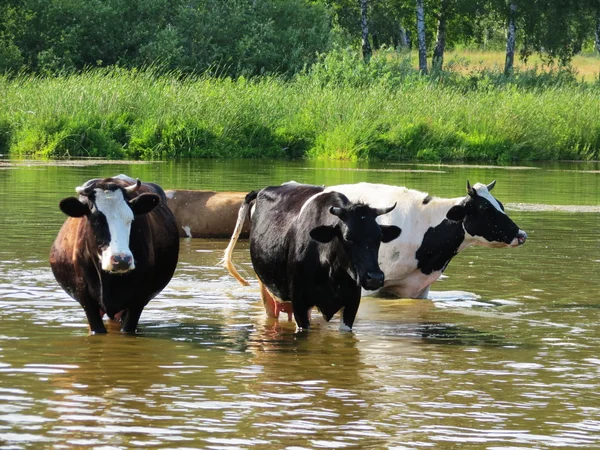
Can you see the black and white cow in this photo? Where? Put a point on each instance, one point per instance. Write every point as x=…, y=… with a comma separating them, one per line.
x=434, y=230
x=312, y=248
x=117, y=249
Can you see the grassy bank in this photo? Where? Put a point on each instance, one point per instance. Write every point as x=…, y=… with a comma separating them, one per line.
x=373, y=112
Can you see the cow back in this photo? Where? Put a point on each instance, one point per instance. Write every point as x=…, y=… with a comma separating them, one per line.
x=274, y=222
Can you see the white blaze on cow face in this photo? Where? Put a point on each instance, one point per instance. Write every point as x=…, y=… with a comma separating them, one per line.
x=118, y=217
x=502, y=222
x=482, y=191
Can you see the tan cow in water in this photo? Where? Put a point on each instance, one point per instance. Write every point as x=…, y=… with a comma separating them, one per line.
x=206, y=214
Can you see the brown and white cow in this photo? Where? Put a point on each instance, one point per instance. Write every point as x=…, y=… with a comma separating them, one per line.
x=117, y=250
x=206, y=214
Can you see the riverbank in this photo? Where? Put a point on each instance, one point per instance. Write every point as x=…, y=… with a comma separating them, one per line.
x=333, y=112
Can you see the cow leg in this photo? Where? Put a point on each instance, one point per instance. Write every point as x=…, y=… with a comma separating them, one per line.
x=94, y=316
x=268, y=302
x=349, y=312
x=301, y=316
x=131, y=319
x=425, y=293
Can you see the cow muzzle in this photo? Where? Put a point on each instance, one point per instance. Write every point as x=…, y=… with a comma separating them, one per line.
x=520, y=239
x=373, y=280
x=118, y=263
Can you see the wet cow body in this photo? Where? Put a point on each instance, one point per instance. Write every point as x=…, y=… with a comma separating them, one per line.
x=117, y=249
x=434, y=230
x=312, y=248
x=206, y=214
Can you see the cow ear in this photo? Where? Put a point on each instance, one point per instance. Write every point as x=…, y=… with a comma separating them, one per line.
x=457, y=213
x=389, y=232
x=72, y=207
x=143, y=204
x=324, y=233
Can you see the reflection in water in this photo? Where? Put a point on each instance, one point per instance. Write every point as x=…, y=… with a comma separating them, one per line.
x=504, y=355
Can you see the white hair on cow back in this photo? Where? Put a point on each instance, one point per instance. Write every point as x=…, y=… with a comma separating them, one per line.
x=124, y=177
x=118, y=217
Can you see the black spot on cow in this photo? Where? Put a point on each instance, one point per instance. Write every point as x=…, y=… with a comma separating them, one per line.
x=440, y=244
x=427, y=199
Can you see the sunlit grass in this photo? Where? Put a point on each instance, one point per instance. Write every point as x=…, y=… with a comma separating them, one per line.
x=139, y=114
x=587, y=67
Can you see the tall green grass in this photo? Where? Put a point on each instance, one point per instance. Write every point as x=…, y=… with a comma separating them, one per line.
x=340, y=109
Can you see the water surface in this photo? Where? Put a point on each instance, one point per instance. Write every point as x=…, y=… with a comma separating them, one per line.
x=504, y=355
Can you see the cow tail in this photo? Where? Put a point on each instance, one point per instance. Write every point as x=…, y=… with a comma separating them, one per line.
x=242, y=214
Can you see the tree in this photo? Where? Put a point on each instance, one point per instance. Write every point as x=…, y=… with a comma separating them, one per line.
x=420, y=10
x=511, y=36
x=437, y=60
x=556, y=29
x=364, y=25
x=597, y=32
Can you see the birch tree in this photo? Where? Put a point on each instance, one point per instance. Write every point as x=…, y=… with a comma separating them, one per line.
x=511, y=35
x=421, y=37
x=364, y=24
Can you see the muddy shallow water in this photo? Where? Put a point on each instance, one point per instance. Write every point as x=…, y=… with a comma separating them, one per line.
x=504, y=355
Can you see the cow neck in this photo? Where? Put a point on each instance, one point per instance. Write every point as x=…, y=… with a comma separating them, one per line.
x=440, y=242
x=341, y=260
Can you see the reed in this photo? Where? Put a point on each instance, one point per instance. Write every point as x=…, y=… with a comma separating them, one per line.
x=328, y=112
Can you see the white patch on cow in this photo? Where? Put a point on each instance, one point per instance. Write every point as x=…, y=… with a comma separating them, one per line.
x=306, y=203
x=170, y=194
x=188, y=230
x=119, y=217
x=482, y=191
x=397, y=259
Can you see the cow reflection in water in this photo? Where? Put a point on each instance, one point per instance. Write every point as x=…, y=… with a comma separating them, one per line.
x=117, y=250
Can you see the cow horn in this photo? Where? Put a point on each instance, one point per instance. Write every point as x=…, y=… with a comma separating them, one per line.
x=491, y=185
x=86, y=188
x=380, y=211
x=133, y=187
x=336, y=211
x=472, y=192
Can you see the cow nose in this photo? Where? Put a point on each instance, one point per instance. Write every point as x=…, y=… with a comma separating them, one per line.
x=521, y=237
x=120, y=262
x=374, y=280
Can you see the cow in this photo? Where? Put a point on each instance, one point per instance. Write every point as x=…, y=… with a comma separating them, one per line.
x=312, y=248
x=206, y=214
x=434, y=230
x=117, y=249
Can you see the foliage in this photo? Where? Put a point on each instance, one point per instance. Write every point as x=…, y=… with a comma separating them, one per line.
x=235, y=36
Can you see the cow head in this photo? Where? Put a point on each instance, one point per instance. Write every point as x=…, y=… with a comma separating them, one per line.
x=483, y=218
x=110, y=206
x=361, y=236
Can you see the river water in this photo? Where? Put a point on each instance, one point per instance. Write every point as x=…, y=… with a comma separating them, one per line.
x=504, y=355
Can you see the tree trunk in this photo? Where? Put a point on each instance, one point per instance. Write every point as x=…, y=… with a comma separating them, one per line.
x=437, y=60
x=421, y=37
x=403, y=38
x=597, y=43
x=366, y=47
x=510, y=38
x=375, y=38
